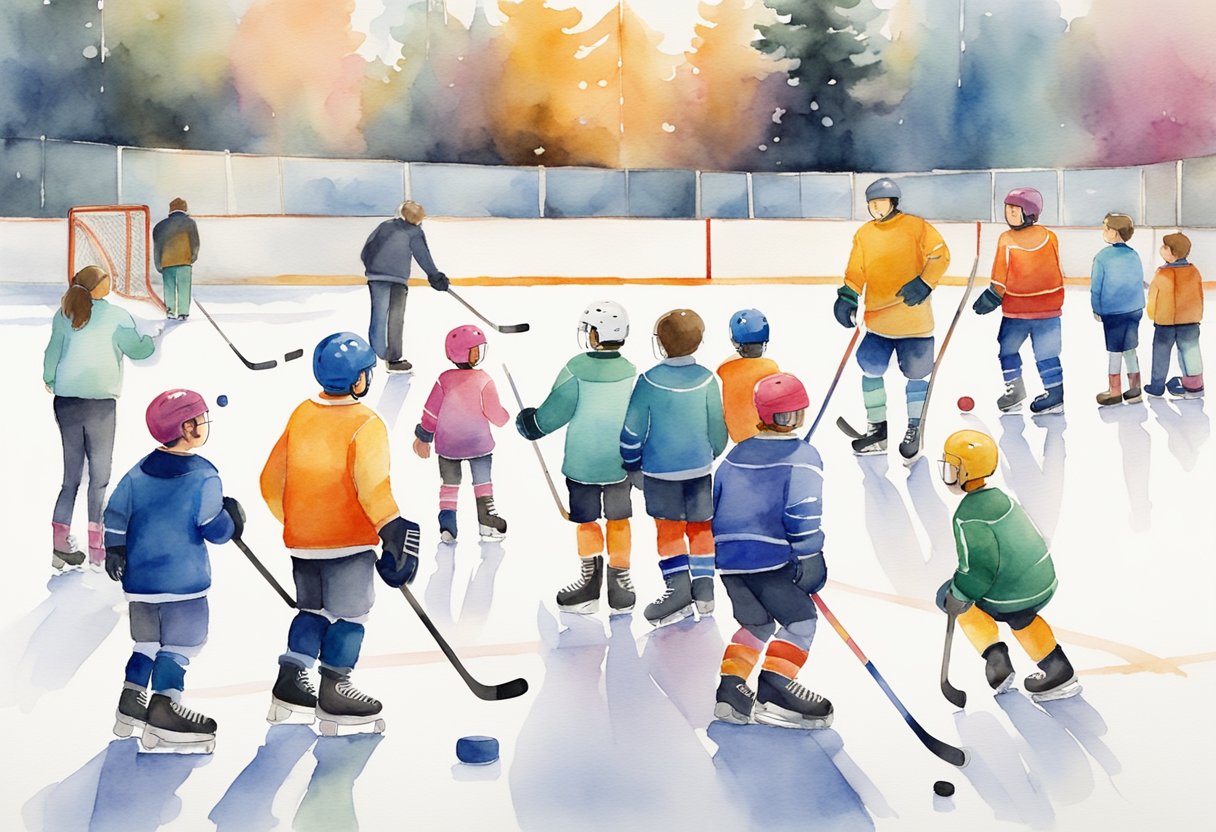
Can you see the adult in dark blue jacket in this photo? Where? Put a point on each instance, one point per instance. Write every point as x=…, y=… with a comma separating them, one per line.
x=386, y=263
x=159, y=520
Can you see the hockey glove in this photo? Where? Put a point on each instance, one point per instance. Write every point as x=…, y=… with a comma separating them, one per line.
x=845, y=309
x=398, y=562
x=987, y=302
x=950, y=603
x=237, y=513
x=438, y=281
x=811, y=573
x=915, y=291
x=116, y=562
x=636, y=478
x=527, y=425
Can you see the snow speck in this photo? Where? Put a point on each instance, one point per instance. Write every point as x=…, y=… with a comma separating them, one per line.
x=539, y=151
x=696, y=70
x=826, y=121
x=88, y=25
x=831, y=82
x=186, y=129
x=776, y=139
x=793, y=82
x=762, y=147
x=582, y=85
x=668, y=127
x=777, y=114
x=18, y=174
x=89, y=52
x=601, y=83
x=814, y=106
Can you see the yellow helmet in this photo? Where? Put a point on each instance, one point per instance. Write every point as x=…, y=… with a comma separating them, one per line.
x=968, y=456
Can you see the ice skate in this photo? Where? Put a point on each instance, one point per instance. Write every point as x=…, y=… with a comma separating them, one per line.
x=788, y=704
x=909, y=449
x=999, y=670
x=1015, y=394
x=621, y=597
x=64, y=553
x=583, y=596
x=875, y=440
x=1051, y=401
x=703, y=595
x=675, y=604
x=447, y=525
x=132, y=711
x=1179, y=390
x=293, y=699
x=398, y=366
x=1056, y=679
x=735, y=701
x=490, y=525
x=175, y=729
x=344, y=709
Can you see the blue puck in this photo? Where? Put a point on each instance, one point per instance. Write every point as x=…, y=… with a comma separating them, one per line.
x=477, y=751
x=222, y=401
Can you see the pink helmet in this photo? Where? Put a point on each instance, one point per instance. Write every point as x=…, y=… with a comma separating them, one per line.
x=460, y=341
x=168, y=410
x=1028, y=199
x=779, y=393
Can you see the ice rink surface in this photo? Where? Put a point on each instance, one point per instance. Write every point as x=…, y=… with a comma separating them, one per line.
x=616, y=730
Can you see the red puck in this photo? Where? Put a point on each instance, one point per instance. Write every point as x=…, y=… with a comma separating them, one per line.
x=966, y=403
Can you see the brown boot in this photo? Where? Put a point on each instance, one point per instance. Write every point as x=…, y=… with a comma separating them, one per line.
x=1114, y=394
x=1134, y=393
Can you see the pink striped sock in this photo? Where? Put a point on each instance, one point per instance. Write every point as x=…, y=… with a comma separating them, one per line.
x=483, y=489
x=447, y=497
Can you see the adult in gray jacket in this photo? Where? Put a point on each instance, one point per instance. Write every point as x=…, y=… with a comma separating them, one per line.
x=386, y=262
x=174, y=250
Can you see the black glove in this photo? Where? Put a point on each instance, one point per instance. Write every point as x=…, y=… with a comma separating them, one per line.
x=986, y=302
x=636, y=478
x=116, y=562
x=398, y=562
x=438, y=281
x=915, y=291
x=811, y=573
x=949, y=603
x=845, y=309
x=237, y=513
x=527, y=425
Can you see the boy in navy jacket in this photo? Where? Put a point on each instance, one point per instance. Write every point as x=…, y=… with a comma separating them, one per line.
x=158, y=523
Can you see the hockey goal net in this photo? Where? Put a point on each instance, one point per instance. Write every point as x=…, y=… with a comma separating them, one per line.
x=116, y=238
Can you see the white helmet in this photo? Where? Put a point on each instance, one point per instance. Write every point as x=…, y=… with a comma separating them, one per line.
x=609, y=320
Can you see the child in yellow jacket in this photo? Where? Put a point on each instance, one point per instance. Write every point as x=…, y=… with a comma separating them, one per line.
x=1175, y=305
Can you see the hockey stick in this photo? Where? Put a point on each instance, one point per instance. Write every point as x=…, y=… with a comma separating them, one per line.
x=952, y=755
x=957, y=697
x=253, y=365
x=507, y=690
x=844, y=359
x=507, y=329
x=287, y=599
x=539, y=456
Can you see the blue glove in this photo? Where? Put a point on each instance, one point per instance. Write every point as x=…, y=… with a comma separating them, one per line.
x=845, y=309
x=527, y=425
x=811, y=573
x=915, y=291
x=398, y=562
x=986, y=302
x=950, y=603
x=438, y=281
x=116, y=562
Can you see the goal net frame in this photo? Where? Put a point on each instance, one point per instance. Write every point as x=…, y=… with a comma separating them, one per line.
x=118, y=238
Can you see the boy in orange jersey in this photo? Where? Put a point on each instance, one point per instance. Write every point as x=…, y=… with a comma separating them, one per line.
x=1175, y=305
x=327, y=481
x=897, y=260
x=1028, y=286
x=749, y=333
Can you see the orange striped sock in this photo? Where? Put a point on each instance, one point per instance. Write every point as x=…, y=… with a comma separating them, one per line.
x=784, y=658
x=590, y=539
x=620, y=544
x=741, y=654
x=671, y=537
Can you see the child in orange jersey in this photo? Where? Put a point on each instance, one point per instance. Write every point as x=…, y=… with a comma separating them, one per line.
x=1175, y=305
x=749, y=333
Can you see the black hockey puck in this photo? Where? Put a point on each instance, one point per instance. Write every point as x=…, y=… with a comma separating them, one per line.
x=944, y=788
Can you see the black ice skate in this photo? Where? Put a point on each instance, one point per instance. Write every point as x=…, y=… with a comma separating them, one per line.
x=293, y=698
x=999, y=669
x=174, y=728
x=734, y=701
x=1015, y=394
x=447, y=526
x=132, y=712
x=1056, y=681
x=490, y=525
x=909, y=449
x=398, y=366
x=675, y=604
x=621, y=596
x=788, y=704
x=1050, y=402
x=703, y=595
x=875, y=440
x=583, y=596
x=340, y=705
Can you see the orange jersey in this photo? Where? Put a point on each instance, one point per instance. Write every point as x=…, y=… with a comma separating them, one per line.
x=1176, y=295
x=886, y=255
x=327, y=479
x=1027, y=275
x=739, y=376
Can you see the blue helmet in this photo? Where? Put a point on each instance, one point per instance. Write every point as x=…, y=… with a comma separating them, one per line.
x=882, y=189
x=749, y=326
x=339, y=360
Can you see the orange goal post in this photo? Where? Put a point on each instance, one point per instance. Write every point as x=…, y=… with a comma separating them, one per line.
x=118, y=239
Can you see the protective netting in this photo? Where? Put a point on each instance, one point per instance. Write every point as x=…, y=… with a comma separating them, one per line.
x=114, y=237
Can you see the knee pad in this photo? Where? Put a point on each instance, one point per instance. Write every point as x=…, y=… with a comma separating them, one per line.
x=762, y=632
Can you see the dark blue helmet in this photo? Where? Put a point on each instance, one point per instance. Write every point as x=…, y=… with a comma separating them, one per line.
x=339, y=360
x=749, y=326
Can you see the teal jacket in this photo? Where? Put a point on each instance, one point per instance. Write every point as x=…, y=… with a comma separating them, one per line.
x=1003, y=562
x=86, y=363
x=590, y=395
x=674, y=428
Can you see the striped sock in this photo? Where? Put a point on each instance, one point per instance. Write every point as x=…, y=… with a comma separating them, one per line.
x=1051, y=372
x=702, y=566
x=1132, y=361
x=483, y=489
x=447, y=497
x=874, y=396
x=1011, y=367
x=783, y=658
x=916, y=391
x=673, y=565
x=741, y=654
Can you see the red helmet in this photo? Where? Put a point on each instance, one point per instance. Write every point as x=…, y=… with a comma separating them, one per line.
x=168, y=410
x=460, y=341
x=779, y=393
x=1028, y=199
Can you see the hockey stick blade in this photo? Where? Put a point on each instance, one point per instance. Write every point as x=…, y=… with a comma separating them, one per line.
x=490, y=693
x=539, y=456
x=253, y=365
x=507, y=329
x=293, y=355
x=848, y=429
x=956, y=697
x=270, y=579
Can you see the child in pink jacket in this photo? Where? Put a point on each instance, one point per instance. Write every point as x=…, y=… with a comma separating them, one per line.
x=456, y=417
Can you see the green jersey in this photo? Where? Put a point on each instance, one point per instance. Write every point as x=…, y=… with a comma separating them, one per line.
x=1003, y=561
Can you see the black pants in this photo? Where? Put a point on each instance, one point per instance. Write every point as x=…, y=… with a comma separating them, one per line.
x=388, y=318
x=86, y=427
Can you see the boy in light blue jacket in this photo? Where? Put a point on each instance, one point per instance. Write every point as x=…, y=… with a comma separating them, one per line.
x=1116, y=293
x=674, y=429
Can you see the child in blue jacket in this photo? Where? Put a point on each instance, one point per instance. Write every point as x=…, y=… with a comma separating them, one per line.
x=1116, y=293
x=158, y=522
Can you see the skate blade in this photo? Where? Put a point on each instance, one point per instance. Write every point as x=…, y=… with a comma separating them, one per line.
x=585, y=608
x=335, y=725
x=775, y=715
x=621, y=610
x=1134, y=399
x=880, y=448
x=284, y=713
x=488, y=533
x=1013, y=408
x=125, y=726
x=911, y=460
x=154, y=741
x=676, y=617
x=1070, y=688
x=723, y=712
x=705, y=607
x=1059, y=408
x=1004, y=686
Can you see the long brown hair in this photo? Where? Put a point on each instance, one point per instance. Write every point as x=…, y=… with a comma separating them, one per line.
x=77, y=302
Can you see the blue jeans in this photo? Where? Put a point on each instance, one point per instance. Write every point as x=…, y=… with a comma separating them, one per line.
x=1186, y=336
x=167, y=635
x=1044, y=335
x=177, y=289
x=915, y=355
x=387, y=327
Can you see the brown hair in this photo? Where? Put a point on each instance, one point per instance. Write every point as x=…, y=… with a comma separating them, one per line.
x=1179, y=244
x=1121, y=224
x=77, y=302
x=178, y=204
x=411, y=212
x=680, y=332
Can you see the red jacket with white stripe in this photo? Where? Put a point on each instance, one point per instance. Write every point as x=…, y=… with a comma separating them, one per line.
x=1027, y=275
